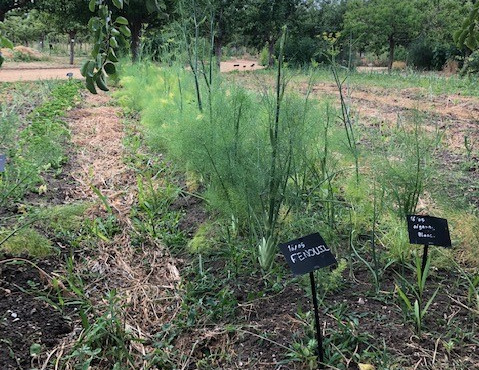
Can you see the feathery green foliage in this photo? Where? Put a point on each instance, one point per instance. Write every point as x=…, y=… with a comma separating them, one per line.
x=230, y=144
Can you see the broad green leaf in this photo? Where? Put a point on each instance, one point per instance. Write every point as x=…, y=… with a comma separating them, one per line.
x=125, y=31
x=94, y=24
x=417, y=311
x=6, y=43
x=121, y=20
x=113, y=42
x=95, y=50
x=118, y=3
x=151, y=6
x=404, y=298
x=115, y=32
x=110, y=68
x=35, y=349
x=92, y=5
x=83, y=68
x=112, y=56
x=90, y=68
x=104, y=11
x=100, y=82
x=99, y=61
x=90, y=85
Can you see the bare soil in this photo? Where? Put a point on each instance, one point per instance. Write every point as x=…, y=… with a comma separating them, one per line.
x=34, y=71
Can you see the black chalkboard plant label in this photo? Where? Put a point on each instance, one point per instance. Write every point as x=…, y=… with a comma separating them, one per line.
x=428, y=230
x=3, y=160
x=304, y=255
x=307, y=254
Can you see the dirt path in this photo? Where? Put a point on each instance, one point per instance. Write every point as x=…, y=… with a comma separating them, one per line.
x=457, y=115
x=145, y=277
x=35, y=74
x=40, y=71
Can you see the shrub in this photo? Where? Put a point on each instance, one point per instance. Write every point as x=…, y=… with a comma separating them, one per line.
x=430, y=54
x=300, y=51
x=471, y=64
x=264, y=56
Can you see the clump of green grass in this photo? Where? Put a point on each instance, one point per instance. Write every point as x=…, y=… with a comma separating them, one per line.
x=26, y=241
x=67, y=218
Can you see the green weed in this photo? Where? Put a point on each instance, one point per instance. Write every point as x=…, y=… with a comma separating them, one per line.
x=419, y=308
x=104, y=339
x=63, y=219
x=405, y=170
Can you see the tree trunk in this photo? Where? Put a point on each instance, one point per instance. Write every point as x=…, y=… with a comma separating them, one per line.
x=271, y=53
x=2, y=16
x=71, y=36
x=392, y=44
x=135, y=28
x=218, y=51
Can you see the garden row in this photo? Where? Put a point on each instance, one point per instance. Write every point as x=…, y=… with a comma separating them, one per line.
x=274, y=165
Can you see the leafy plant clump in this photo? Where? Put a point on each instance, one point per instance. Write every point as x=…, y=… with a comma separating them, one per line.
x=255, y=160
x=37, y=147
x=25, y=241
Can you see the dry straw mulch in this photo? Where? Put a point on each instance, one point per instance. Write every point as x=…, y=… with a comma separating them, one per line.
x=145, y=278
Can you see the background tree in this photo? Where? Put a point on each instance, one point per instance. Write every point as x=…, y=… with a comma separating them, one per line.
x=379, y=24
x=140, y=14
x=468, y=33
x=226, y=21
x=67, y=16
x=263, y=21
x=25, y=27
x=7, y=5
x=311, y=20
x=435, y=45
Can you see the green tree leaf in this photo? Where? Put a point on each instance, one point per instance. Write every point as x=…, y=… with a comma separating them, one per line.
x=113, y=42
x=121, y=20
x=125, y=31
x=110, y=68
x=90, y=85
x=92, y=5
x=100, y=82
x=118, y=3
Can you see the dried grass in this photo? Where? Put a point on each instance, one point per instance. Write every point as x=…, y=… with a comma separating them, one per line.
x=146, y=278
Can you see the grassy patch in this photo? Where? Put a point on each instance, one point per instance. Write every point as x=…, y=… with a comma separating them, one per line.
x=64, y=219
x=26, y=241
x=36, y=147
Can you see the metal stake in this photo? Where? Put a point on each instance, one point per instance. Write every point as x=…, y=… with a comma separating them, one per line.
x=424, y=258
x=318, y=326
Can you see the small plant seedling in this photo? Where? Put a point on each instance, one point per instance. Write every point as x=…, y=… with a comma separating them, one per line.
x=417, y=310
